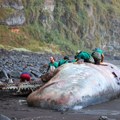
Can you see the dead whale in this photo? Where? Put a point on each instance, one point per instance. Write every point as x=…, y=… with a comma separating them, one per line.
x=77, y=86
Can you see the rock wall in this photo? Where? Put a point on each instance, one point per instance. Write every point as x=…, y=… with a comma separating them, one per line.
x=15, y=9
x=82, y=23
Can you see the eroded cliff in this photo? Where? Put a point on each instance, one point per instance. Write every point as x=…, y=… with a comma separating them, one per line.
x=65, y=25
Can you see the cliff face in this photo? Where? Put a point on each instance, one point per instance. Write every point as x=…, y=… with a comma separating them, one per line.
x=70, y=24
x=12, y=12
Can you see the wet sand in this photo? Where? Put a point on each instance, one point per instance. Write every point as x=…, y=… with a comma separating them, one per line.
x=15, y=108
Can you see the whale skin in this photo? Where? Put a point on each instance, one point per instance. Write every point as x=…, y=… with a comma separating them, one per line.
x=77, y=86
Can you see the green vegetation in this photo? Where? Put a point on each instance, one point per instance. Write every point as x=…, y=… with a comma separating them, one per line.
x=73, y=25
x=5, y=13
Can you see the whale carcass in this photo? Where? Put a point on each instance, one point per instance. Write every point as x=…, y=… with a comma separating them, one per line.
x=77, y=86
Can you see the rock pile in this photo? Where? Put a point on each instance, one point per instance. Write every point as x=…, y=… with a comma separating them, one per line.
x=13, y=62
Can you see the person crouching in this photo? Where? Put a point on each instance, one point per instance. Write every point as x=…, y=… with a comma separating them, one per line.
x=25, y=77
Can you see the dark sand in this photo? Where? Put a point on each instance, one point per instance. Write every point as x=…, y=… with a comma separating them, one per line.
x=15, y=107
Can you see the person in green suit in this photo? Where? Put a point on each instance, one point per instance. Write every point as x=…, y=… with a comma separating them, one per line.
x=98, y=55
x=63, y=61
x=52, y=64
x=85, y=56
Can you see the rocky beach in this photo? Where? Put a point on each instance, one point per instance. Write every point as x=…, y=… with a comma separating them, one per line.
x=16, y=108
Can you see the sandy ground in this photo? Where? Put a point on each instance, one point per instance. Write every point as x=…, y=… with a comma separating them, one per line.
x=15, y=107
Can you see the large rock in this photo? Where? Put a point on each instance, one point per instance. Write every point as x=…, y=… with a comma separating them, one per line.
x=18, y=18
x=3, y=117
x=14, y=4
x=14, y=12
x=4, y=75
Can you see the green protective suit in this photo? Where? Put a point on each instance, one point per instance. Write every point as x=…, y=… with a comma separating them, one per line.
x=85, y=56
x=55, y=64
x=97, y=54
x=62, y=61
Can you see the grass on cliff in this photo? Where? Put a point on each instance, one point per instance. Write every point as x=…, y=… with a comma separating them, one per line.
x=25, y=38
x=68, y=32
x=5, y=13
